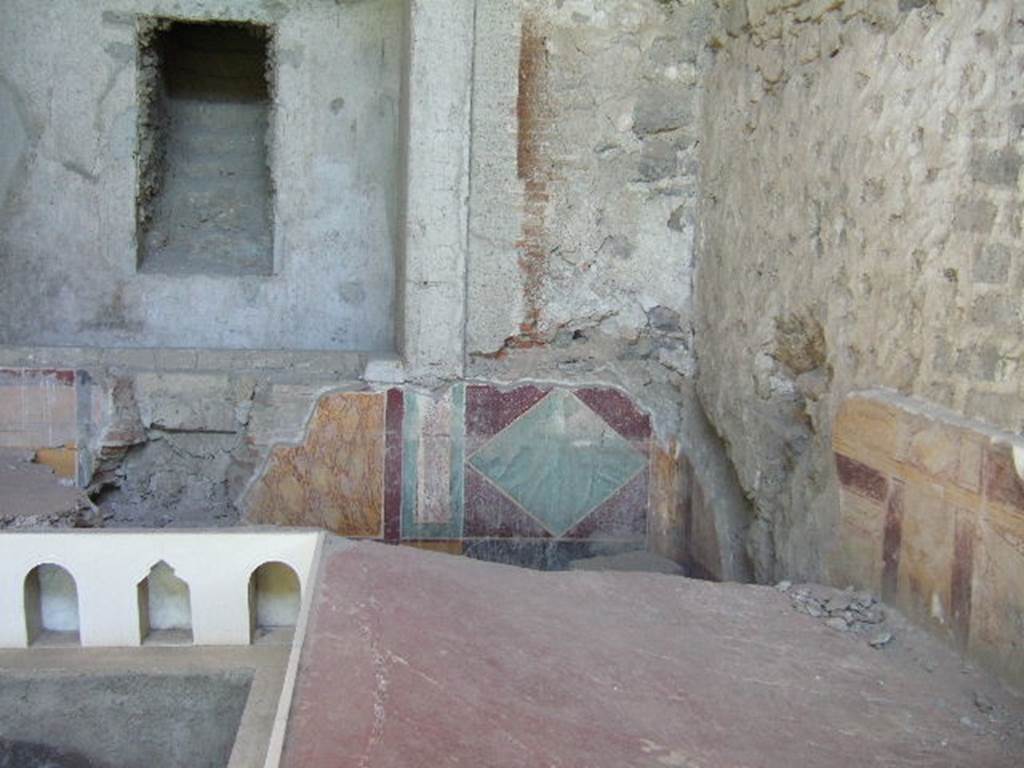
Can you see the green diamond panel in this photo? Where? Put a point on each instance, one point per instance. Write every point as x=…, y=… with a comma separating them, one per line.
x=559, y=461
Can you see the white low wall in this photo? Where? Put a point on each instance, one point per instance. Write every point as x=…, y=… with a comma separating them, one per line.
x=107, y=569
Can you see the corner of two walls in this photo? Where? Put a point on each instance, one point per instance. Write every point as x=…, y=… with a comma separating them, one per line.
x=860, y=228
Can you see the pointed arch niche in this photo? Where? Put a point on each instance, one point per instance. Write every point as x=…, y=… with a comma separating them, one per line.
x=165, y=608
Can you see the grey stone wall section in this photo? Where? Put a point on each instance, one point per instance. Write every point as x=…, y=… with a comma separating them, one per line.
x=583, y=211
x=860, y=226
x=67, y=233
x=545, y=231
x=584, y=186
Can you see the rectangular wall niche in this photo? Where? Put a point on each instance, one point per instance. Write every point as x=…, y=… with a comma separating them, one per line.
x=205, y=194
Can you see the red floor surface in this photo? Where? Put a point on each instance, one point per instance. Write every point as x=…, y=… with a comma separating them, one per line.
x=420, y=659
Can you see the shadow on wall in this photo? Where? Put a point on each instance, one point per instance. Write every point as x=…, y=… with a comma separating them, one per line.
x=165, y=608
x=51, y=606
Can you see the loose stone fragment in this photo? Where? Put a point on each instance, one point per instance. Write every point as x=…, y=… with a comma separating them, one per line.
x=880, y=640
x=838, y=624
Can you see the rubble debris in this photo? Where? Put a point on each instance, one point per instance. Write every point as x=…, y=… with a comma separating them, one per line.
x=33, y=497
x=858, y=613
x=880, y=640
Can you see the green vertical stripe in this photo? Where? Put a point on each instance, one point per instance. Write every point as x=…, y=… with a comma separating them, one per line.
x=410, y=457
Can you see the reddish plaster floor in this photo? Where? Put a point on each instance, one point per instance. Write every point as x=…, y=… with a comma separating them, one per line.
x=421, y=659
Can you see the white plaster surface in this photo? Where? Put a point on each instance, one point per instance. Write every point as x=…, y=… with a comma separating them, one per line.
x=107, y=568
x=58, y=599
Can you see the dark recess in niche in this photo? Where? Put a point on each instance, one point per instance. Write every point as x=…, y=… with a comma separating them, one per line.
x=205, y=194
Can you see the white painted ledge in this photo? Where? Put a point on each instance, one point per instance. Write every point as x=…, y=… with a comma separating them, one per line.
x=107, y=568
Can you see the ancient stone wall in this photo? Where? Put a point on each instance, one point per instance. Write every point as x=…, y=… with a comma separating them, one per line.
x=587, y=276
x=860, y=226
x=550, y=156
x=118, y=231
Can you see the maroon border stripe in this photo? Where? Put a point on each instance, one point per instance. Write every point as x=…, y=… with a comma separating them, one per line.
x=617, y=410
x=892, y=541
x=960, y=579
x=861, y=479
x=1001, y=481
x=393, y=466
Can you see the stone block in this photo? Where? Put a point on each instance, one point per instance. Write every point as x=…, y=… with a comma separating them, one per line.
x=977, y=216
x=736, y=18
x=192, y=402
x=660, y=109
x=658, y=160
x=996, y=310
x=999, y=168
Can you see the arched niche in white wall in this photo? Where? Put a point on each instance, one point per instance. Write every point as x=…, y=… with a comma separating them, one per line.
x=165, y=607
x=275, y=596
x=51, y=606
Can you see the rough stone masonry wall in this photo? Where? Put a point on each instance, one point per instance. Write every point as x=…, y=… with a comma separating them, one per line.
x=860, y=226
x=584, y=191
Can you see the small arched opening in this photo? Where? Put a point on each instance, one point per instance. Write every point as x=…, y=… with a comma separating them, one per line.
x=165, y=608
x=274, y=601
x=51, y=606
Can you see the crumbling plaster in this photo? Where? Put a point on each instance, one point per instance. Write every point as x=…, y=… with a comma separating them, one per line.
x=586, y=277
x=860, y=227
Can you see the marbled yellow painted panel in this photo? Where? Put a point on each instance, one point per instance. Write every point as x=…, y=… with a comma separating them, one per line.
x=335, y=478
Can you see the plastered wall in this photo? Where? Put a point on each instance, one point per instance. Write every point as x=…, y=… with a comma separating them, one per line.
x=73, y=93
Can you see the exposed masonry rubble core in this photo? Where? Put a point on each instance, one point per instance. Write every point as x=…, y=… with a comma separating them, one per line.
x=732, y=214
x=205, y=195
x=860, y=227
